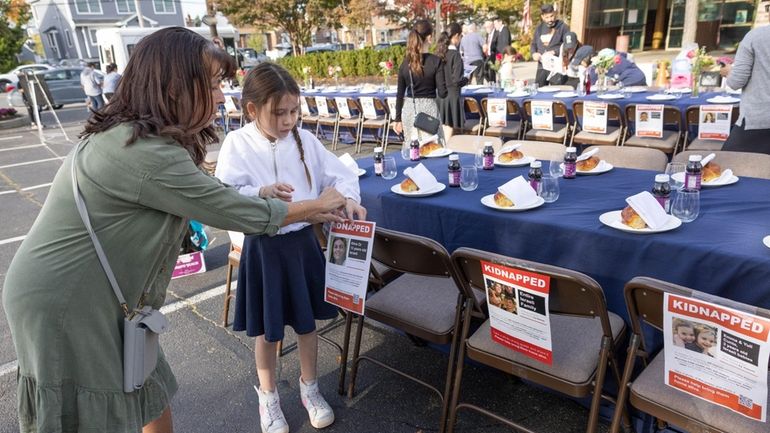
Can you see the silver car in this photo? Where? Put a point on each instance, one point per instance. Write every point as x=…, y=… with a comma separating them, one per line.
x=64, y=85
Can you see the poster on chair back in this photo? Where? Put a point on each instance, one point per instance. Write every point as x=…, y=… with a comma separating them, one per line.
x=349, y=259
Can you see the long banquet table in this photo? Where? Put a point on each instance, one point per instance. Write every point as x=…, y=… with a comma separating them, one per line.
x=721, y=252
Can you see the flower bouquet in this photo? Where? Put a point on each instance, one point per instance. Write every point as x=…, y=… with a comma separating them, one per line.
x=701, y=62
x=602, y=62
x=307, y=72
x=386, y=68
x=334, y=72
x=496, y=65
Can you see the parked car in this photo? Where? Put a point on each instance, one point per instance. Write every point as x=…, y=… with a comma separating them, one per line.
x=321, y=48
x=248, y=57
x=12, y=79
x=64, y=84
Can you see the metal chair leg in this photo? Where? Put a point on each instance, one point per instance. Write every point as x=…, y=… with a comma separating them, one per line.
x=228, y=295
x=356, y=351
x=345, y=349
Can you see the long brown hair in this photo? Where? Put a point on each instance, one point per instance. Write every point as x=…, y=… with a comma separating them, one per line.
x=264, y=86
x=166, y=91
x=414, y=42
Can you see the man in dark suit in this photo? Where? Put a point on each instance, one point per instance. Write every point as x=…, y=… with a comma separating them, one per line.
x=503, y=36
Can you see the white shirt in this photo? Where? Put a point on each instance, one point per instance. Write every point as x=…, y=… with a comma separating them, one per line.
x=91, y=82
x=248, y=161
x=111, y=81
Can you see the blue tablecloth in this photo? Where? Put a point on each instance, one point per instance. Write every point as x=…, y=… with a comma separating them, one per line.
x=719, y=253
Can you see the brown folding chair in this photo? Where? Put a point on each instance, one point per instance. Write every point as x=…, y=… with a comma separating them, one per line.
x=584, y=335
x=514, y=121
x=540, y=149
x=209, y=164
x=561, y=124
x=469, y=143
x=633, y=157
x=352, y=123
x=669, y=143
x=235, y=114
x=612, y=137
x=311, y=117
x=331, y=120
x=648, y=391
x=425, y=302
x=233, y=261
x=473, y=125
x=692, y=120
x=741, y=163
x=379, y=123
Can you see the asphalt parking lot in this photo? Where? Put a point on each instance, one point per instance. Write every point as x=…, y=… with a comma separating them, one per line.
x=215, y=366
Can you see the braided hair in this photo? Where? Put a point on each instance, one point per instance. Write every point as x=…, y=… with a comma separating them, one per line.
x=265, y=85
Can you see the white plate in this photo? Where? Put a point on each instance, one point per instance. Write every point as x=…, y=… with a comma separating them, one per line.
x=611, y=96
x=489, y=201
x=604, y=168
x=723, y=100
x=680, y=90
x=661, y=97
x=734, y=92
x=636, y=89
x=438, y=153
x=484, y=90
x=679, y=177
x=310, y=91
x=361, y=172
x=515, y=163
x=565, y=95
x=474, y=86
x=766, y=241
x=349, y=90
x=614, y=220
x=368, y=91
x=519, y=94
x=549, y=89
x=397, y=189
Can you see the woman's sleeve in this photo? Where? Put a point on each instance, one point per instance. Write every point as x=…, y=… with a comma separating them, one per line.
x=441, y=90
x=456, y=70
x=743, y=64
x=400, y=94
x=180, y=188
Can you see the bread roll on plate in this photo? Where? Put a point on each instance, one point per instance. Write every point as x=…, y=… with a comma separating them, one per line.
x=711, y=171
x=588, y=164
x=408, y=185
x=429, y=148
x=502, y=200
x=632, y=219
x=511, y=156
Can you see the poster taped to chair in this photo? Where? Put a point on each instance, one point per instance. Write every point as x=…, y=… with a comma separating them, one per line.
x=304, y=107
x=714, y=122
x=367, y=106
x=496, y=112
x=717, y=353
x=518, y=310
x=320, y=103
x=595, y=117
x=342, y=107
x=649, y=121
x=542, y=115
x=347, y=269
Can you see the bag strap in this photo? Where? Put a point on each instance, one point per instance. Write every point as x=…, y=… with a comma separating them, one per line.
x=411, y=84
x=83, y=211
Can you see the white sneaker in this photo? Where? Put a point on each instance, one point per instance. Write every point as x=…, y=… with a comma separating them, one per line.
x=321, y=414
x=271, y=417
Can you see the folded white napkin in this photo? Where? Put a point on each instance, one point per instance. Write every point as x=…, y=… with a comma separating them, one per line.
x=510, y=147
x=708, y=158
x=349, y=162
x=564, y=95
x=588, y=154
x=519, y=191
x=724, y=177
x=422, y=177
x=723, y=99
x=431, y=139
x=649, y=209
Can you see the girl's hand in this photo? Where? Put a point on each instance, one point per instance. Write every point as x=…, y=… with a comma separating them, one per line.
x=398, y=127
x=277, y=190
x=354, y=211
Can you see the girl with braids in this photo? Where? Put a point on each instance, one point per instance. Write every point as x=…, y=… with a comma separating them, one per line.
x=451, y=107
x=281, y=278
x=421, y=78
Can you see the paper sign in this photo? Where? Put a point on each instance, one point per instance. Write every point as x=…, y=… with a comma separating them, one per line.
x=496, y=112
x=367, y=106
x=189, y=264
x=595, y=117
x=342, y=107
x=633, y=16
x=303, y=106
x=714, y=122
x=392, y=106
x=552, y=63
x=762, y=17
x=230, y=104
x=518, y=310
x=347, y=270
x=323, y=109
x=717, y=353
x=542, y=115
x=649, y=121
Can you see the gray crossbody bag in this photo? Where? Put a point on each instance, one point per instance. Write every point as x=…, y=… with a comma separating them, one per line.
x=142, y=326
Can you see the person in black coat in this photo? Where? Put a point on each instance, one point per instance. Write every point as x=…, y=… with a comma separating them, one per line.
x=502, y=37
x=451, y=106
x=549, y=35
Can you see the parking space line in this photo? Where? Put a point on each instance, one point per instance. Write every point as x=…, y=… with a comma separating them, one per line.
x=19, y=164
x=15, y=137
x=11, y=367
x=12, y=240
x=29, y=146
x=29, y=188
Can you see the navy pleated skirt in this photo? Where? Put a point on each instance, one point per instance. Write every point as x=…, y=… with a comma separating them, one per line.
x=281, y=282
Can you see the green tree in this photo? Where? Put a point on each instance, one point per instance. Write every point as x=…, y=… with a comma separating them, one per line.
x=256, y=41
x=298, y=18
x=14, y=14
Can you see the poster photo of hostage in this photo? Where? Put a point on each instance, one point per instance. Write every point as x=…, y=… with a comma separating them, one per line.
x=501, y=296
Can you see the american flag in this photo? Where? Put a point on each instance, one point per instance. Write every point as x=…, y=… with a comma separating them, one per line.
x=526, y=19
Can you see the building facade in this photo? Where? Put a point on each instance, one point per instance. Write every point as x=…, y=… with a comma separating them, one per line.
x=68, y=27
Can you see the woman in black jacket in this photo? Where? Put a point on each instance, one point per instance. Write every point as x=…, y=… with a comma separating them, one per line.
x=451, y=107
x=421, y=79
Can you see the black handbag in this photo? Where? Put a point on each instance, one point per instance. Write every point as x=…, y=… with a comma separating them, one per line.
x=423, y=121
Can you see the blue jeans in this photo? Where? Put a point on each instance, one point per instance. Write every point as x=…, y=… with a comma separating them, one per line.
x=97, y=102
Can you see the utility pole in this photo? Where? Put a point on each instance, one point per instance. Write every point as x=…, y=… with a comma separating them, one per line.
x=139, y=16
x=438, y=18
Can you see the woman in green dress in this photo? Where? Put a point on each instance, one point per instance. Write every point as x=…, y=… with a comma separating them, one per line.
x=138, y=173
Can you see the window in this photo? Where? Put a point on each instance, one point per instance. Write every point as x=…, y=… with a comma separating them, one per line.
x=88, y=6
x=68, y=36
x=92, y=36
x=164, y=6
x=125, y=6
